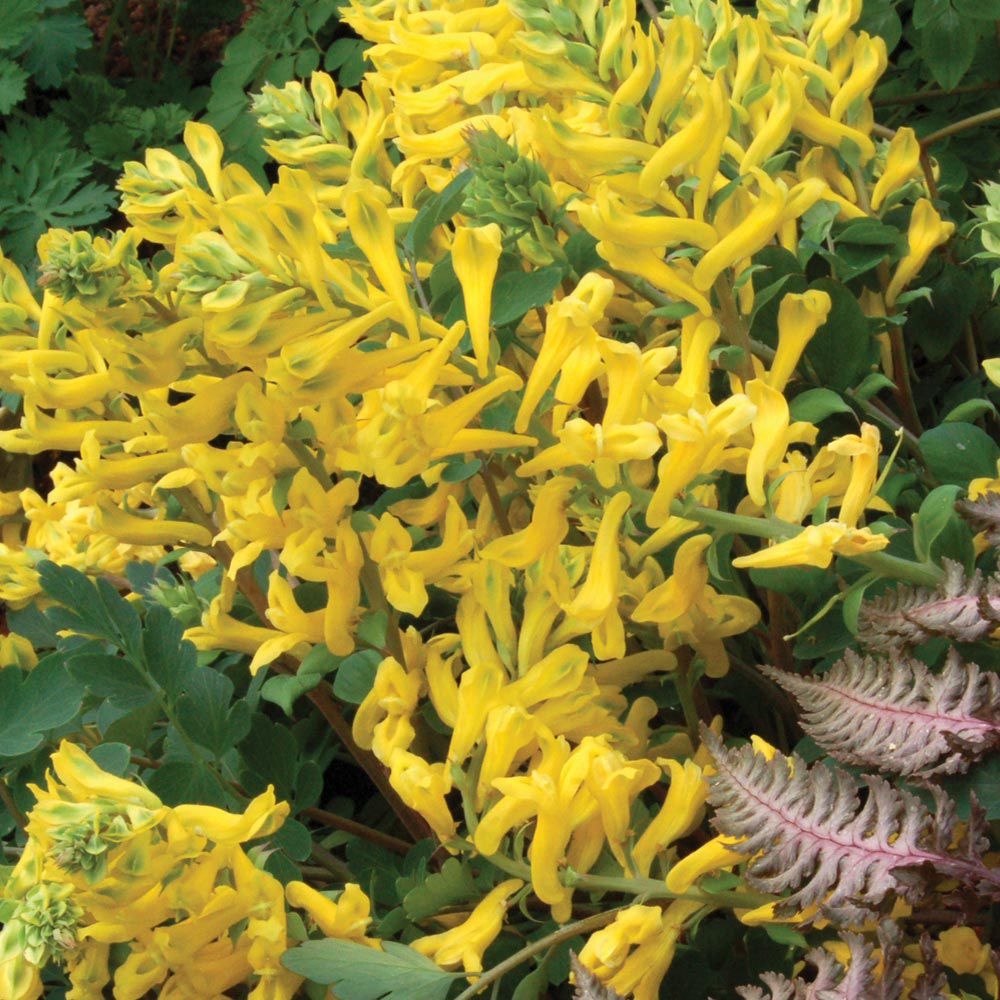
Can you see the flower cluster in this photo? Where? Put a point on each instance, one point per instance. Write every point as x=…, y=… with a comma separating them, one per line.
x=120, y=889
x=484, y=345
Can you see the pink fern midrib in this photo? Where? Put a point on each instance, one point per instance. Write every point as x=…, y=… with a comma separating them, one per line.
x=938, y=721
x=893, y=858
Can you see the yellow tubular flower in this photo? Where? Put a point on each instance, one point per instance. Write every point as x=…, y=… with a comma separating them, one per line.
x=720, y=852
x=373, y=232
x=863, y=450
x=681, y=812
x=902, y=164
x=475, y=254
x=347, y=918
x=547, y=529
x=752, y=233
x=681, y=50
x=685, y=145
x=600, y=589
x=464, y=945
x=927, y=231
x=815, y=546
x=870, y=60
x=787, y=96
x=423, y=788
x=670, y=600
x=569, y=322
x=799, y=317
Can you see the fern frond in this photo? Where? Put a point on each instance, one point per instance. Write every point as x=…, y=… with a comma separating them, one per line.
x=983, y=514
x=588, y=986
x=895, y=715
x=807, y=831
x=833, y=982
x=962, y=608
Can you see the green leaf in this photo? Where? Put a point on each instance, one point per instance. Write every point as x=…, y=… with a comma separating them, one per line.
x=356, y=676
x=269, y=753
x=842, y=350
x=815, y=405
x=971, y=409
x=170, y=658
x=783, y=934
x=207, y=713
x=17, y=17
x=948, y=45
x=111, y=678
x=12, y=81
x=981, y=10
x=518, y=292
x=50, y=49
x=453, y=884
x=359, y=973
x=185, y=781
x=937, y=509
x=33, y=704
x=285, y=690
x=439, y=208
x=879, y=17
x=458, y=471
x=676, y=310
x=581, y=252
x=111, y=757
x=873, y=384
x=958, y=452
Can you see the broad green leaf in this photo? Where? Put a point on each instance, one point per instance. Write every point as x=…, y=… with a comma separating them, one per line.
x=269, y=753
x=169, y=657
x=879, y=17
x=439, y=208
x=33, y=704
x=208, y=715
x=843, y=349
x=453, y=884
x=948, y=45
x=111, y=757
x=284, y=690
x=359, y=973
x=958, y=452
x=968, y=411
x=356, y=676
x=184, y=781
x=459, y=471
x=518, y=292
x=873, y=384
x=815, y=405
x=111, y=678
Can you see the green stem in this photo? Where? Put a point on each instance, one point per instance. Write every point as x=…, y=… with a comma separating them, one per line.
x=20, y=820
x=585, y=926
x=973, y=121
x=309, y=461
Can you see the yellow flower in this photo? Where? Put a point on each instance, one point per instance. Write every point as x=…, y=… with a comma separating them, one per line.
x=815, y=546
x=799, y=317
x=464, y=945
x=927, y=230
x=475, y=254
x=902, y=163
x=348, y=917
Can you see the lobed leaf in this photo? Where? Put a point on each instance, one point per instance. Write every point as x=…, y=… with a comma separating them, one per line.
x=808, y=831
x=895, y=715
x=963, y=608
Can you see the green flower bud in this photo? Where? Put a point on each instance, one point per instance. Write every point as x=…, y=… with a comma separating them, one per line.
x=286, y=111
x=180, y=600
x=93, y=270
x=47, y=919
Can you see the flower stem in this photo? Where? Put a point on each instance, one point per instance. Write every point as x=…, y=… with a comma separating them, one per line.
x=564, y=933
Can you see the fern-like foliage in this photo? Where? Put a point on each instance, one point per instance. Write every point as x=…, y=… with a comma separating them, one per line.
x=895, y=715
x=833, y=982
x=983, y=514
x=588, y=986
x=808, y=832
x=962, y=608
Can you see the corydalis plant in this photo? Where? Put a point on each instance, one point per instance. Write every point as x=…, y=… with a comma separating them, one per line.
x=807, y=830
x=962, y=608
x=893, y=714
